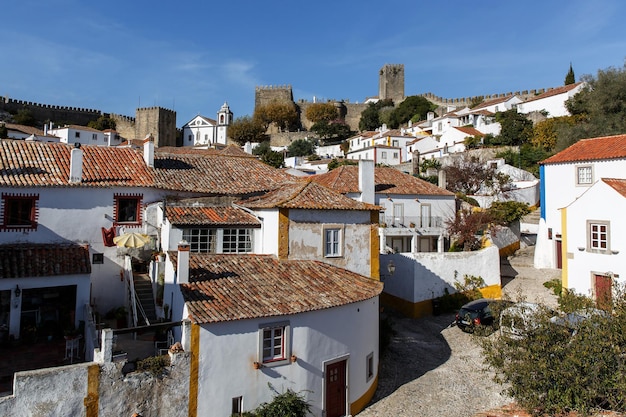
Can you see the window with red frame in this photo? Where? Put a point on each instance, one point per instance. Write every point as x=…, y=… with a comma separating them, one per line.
x=19, y=211
x=127, y=209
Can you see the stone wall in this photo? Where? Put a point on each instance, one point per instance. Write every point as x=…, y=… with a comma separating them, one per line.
x=47, y=112
x=391, y=83
x=158, y=122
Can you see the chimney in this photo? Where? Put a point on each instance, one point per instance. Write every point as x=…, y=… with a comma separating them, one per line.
x=442, y=179
x=45, y=129
x=182, y=262
x=76, y=164
x=366, y=180
x=148, y=151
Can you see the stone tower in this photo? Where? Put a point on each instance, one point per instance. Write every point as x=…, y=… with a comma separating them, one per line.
x=224, y=119
x=391, y=83
x=158, y=122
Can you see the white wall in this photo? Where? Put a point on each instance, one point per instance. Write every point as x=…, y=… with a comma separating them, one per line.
x=582, y=265
x=228, y=350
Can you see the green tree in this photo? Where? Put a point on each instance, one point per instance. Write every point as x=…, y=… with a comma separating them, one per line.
x=4, y=132
x=506, y=212
x=370, y=118
x=301, y=147
x=332, y=131
x=516, y=129
x=526, y=158
x=268, y=156
x=321, y=112
x=545, y=132
x=569, y=77
x=247, y=129
x=578, y=366
x=25, y=117
x=336, y=163
x=102, y=123
x=412, y=106
x=286, y=404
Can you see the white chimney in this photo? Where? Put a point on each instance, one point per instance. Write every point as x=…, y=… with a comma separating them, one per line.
x=182, y=262
x=366, y=180
x=148, y=151
x=76, y=164
x=45, y=129
x=442, y=182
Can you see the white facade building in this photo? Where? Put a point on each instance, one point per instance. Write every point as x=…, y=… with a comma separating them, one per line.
x=552, y=102
x=205, y=132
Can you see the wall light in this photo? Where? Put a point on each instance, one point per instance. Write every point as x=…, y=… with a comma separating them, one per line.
x=17, y=291
x=581, y=248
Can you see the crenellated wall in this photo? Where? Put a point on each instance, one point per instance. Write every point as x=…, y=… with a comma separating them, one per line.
x=48, y=112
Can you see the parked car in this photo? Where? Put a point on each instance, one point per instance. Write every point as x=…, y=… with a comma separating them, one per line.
x=479, y=314
x=573, y=321
x=517, y=320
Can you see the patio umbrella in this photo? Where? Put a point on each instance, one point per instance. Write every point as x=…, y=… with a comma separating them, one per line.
x=131, y=240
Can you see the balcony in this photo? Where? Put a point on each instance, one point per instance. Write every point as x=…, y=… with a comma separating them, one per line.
x=429, y=225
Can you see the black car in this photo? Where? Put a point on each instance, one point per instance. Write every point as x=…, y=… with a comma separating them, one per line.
x=479, y=314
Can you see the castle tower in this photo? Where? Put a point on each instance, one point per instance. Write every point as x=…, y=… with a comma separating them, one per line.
x=224, y=119
x=391, y=83
x=158, y=122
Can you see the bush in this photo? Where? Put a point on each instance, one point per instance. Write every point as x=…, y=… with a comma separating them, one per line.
x=156, y=365
x=286, y=404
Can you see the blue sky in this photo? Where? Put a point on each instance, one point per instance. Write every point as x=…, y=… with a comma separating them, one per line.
x=191, y=56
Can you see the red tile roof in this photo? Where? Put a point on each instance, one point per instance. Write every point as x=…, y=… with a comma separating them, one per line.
x=210, y=215
x=236, y=287
x=306, y=194
x=29, y=130
x=345, y=179
x=554, y=91
x=470, y=131
x=491, y=102
x=618, y=184
x=27, y=164
x=43, y=260
x=593, y=149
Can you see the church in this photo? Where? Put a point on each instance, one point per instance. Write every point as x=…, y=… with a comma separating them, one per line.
x=204, y=132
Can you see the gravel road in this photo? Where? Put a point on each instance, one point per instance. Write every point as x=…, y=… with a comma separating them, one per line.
x=433, y=369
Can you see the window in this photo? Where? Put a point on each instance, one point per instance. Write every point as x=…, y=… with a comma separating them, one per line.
x=189, y=137
x=76, y=134
x=274, y=343
x=19, y=211
x=127, y=209
x=237, y=406
x=332, y=241
x=395, y=155
x=584, y=175
x=200, y=240
x=369, y=367
x=237, y=241
x=383, y=155
x=94, y=136
x=598, y=236
x=206, y=138
x=97, y=258
x=395, y=143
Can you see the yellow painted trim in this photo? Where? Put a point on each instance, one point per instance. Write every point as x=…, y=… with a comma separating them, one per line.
x=510, y=249
x=407, y=308
x=93, y=391
x=358, y=406
x=194, y=367
x=374, y=246
x=492, y=291
x=283, y=233
x=564, y=266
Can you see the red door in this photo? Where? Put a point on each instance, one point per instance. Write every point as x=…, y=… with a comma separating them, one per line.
x=336, y=389
x=559, y=254
x=604, y=296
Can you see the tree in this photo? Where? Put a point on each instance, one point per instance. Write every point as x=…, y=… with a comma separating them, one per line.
x=370, y=119
x=336, y=163
x=321, y=112
x=569, y=77
x=526, y=158
x=506, y=212
x=102, y=123
x=282, y=114
x=25, y=117
x=412, y=106
x=268, y=156
x=467, y=226
x=4, y=132
x=545, y=133
x=286, y=404
x=246, y=129
x=332, y=131
x=468, y=175
x=578, y=366
x=516, y=129
x=472, y=142
x=301, y=147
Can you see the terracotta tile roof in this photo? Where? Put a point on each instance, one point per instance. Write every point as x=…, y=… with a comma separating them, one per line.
x=210, y=215
x=184, y=150
x=235, y=287
x=43, y=260
x=27, y=164
x=618, y=184
x=555, y=91
x=306, y=194
x=593, y=149
x=345, y=179
x=483, y=112
x=78, y=127
x=199, y=171
x=232, y=150
x=470, y=131
x=491, y=102
x=29, y=130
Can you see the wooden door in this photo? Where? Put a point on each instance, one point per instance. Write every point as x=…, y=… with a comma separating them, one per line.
x=559, y=254
x=604, y=292
x=336, y=389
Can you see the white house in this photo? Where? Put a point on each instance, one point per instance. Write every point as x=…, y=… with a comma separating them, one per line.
x=563, y=178
x=594, y=240
x=83, y=135
x=205, y=132
x=453, y=139
x=500, y=104
x=427, y=147
x=16, y=131
x=552, y=102
x=262, y=324
x=384, y=146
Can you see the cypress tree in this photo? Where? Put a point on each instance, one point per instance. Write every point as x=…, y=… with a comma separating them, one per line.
x=570, y=78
